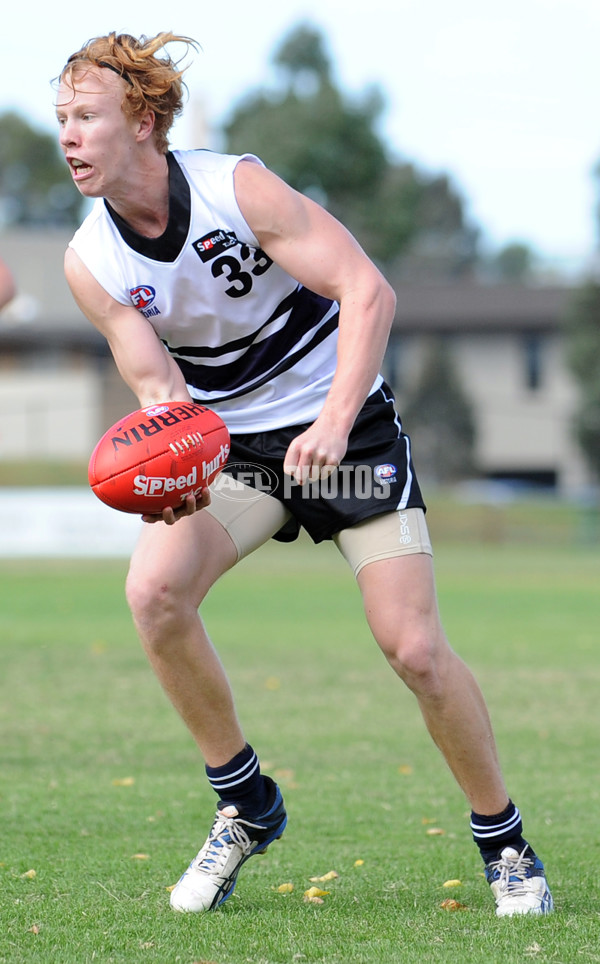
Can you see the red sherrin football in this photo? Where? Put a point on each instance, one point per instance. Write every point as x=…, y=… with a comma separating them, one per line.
x=156, y=456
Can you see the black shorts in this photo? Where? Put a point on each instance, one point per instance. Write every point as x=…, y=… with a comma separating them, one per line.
x=375, y=476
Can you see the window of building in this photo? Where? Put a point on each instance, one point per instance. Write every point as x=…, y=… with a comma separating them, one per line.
x=532, y=356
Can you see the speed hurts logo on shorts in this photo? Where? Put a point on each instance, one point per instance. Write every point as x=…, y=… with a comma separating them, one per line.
x=386, y=473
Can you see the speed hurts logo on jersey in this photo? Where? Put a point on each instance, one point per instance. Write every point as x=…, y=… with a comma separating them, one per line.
x=142, y=297
x=214, y=243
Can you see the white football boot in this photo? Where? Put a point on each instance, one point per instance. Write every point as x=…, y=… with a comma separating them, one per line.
x=212, y=875
x=519, y=884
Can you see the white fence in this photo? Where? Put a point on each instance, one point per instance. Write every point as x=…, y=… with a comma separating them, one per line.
x=62, y=522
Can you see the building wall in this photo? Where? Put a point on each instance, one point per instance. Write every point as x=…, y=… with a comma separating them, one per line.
x=50, y=414
x=524, y=406
x=60, y=410
x=522, y=395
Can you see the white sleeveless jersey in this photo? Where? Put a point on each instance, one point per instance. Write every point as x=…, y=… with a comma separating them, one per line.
x=252, y=343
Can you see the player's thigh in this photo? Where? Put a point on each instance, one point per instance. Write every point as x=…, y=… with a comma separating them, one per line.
x=182, y=560
x=402, y=532
x=391, y=557
x=191, y=554
x=249, y=516
x=400, y=604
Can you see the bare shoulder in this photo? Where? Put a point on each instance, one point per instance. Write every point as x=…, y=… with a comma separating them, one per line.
x=266, y=201
x=76, y=273
x=249, y=173
x=93, y=300
x=298, y=234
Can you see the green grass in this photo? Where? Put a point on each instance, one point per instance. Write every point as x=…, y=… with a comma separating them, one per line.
x=29, y=473
x=96, y=768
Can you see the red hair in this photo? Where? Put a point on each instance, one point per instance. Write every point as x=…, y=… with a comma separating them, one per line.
x=153, y=83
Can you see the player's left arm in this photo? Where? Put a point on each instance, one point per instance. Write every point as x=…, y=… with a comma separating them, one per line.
x=313, y=247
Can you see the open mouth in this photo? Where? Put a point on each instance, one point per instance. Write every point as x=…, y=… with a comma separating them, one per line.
x=79, y=168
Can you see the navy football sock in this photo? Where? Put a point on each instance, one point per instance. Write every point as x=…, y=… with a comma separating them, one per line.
x=241, y=783
x=494, y=832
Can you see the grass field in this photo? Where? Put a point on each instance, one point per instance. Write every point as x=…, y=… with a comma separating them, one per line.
x=103, y=800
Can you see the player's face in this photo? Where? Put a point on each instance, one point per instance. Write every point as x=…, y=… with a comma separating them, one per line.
x=96, y=137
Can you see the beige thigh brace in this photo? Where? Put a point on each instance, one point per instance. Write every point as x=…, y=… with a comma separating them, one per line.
x=249, y=517
x=384, y=536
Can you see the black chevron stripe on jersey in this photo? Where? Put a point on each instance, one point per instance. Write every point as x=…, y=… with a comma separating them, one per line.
x=190, y=371
x=209, y=351
x=266, y=358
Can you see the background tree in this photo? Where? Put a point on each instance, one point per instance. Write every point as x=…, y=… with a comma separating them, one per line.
x=439, y=418
x=35, y=184
x=583, y=351
x=513, y=263
x=583, y=345
x=326, y=145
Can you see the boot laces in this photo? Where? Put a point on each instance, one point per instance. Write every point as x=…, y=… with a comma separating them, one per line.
x=513, y=872
x=226, y=833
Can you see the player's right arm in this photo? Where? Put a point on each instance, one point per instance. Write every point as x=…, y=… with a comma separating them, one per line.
x=141, y=358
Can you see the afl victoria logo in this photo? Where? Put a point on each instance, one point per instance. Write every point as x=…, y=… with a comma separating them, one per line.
x=142, y=296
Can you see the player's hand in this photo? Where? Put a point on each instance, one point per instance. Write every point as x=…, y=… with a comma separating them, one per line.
x=315, y=454
x=171, y=516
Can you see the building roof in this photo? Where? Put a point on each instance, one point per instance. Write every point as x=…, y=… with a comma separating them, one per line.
x=448, y=307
